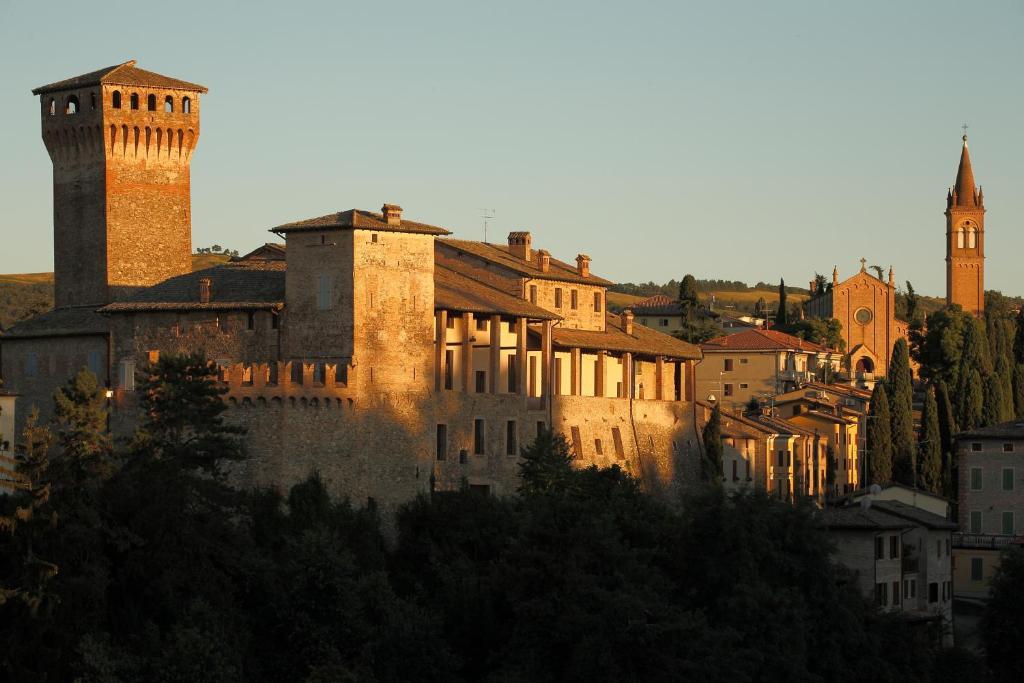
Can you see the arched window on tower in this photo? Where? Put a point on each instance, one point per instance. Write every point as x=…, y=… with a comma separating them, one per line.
x=115, y=100
x=92, y=99
x=53, y=107
x=168, y=104
x=151, y=103
x=971, y=237
x=133, y=101
x=960, y=238
x=71, y=106
x=186, y=105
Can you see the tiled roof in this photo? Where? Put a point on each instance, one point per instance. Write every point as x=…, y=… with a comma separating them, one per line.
x=858, y=517
x=1006, y=430
x=120, y=74
x=914, y=514
x=455, y=291
x=499, y=254
x=357, y=218
x=643, y=341
x=254, y=284
x=469, y=267
x=761, y=340
x=62, y=322
x=845, y=389
x=271, y=251
x=656, y=301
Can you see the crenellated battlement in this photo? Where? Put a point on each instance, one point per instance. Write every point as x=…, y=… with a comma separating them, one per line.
x=302, y=383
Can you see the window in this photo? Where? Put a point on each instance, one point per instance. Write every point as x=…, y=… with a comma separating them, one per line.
x=597, y=302
x=463, y=456
x=373, y=238
x=275, y=320
x=1007, y=448
x=617, y=442
x=743, y=361
x=151, y=103
x=895, y=592
x=133, y=101
x=910, y=588
x=168, y=105
x=95, y=363
x=1008, y=524
x=1007, y=478
x=115, y=100
x=947, y=547
x=597, y=447
x=320, y=374
x=450, y=322
x=481, y=324
x=894, y=547
x=881, y=594
x=976, y=447
x=481, y=381
x=512, y=374
x=977, y=569
x=577, y=442
x=879, y=544
x=938, y=548
x=975, y=521
x=533, y=294
x=186, y=105
x=442, y=441
x=272, y=373
x=511, y=438
x=479, y=437
x=71, y=105
x=727, y=364
x=743, y=385
x=975, y=478
x=53, y=107
x=558, y=297
x=573, y=299
x=449, y=371
x=933, y=591
x=250, y=321
x=341, y=374
x=247, y=375
x=296, y=373
x=663, y=322
x=727, y=389
x=126, y=375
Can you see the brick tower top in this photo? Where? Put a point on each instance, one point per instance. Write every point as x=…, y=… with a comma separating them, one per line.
x=964, y=193
x=121, y=142
x=965, y=239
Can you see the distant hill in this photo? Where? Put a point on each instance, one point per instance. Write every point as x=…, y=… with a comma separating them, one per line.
x=28, y=294
x=729, y=298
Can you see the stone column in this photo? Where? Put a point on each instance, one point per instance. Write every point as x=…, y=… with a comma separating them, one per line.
x=576, y=374
x=521, y=360
x=599, y=379
x=495, y=369
x=659, y=378
x=467, y=352
x=627, y=375
x=439, y=355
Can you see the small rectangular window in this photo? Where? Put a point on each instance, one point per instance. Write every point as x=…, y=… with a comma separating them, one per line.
x=479, y=437
x=31, y=364
x=558, y=297
x=976, y=447
x=1008, y=524
x=1007, y=448
x=275, y=320
x=533, y=294
x=373, y=238
x=341, y=374
x=975, y=478
x=449, y=372
x=1007, y=478
x=727, y=390
x=512, y=375
x=894, y=547
x=297, y=374
x=126, y=375
x=511, y=438
x=597, y=302
x=577, y=442
x=272, y=373
x=320, y=374
x=442, y=441
x=450, y=322
x=977, y=569
x=975, y=521
x=879, y=547
x=597, y=447
x=744, y=385
x=573, y=299
x=881, y=594
x=95, y=363
x=933, y=592
x=727, y=363
x=481, y=381
x=895, y=592
x=617, y=440
x=250, y=320
x=323, y=292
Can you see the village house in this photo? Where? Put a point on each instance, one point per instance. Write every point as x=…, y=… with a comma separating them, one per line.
x=8, y=475
x=381, y=351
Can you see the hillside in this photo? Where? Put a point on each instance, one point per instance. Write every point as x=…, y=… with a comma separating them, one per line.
x=25, y=295
x=725, y=300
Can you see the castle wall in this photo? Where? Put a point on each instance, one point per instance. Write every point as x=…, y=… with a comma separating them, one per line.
x=319, y=266
x=585, y=316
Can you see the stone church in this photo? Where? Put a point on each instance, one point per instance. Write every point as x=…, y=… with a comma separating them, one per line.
x=865, y=305
x=385, y=353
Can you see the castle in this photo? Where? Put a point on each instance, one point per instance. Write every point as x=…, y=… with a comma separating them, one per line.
x=391, y=357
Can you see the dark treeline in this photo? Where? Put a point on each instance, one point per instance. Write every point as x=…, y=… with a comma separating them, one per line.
x=671, y=288
x=136, y=562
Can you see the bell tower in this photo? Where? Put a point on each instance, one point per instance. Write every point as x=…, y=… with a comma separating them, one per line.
x=965, y=240
x=121, y=141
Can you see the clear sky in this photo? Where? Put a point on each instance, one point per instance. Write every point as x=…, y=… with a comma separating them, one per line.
x=736, y=140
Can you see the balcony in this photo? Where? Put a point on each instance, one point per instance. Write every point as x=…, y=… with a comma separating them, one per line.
x=985, y=541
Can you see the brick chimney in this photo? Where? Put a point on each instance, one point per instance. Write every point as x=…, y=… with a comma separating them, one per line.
x=813, y=283
x=544, y=260
x=627, y=321
x=583, y=265
x=520, y=245
x=205, y=290
x=392, y=214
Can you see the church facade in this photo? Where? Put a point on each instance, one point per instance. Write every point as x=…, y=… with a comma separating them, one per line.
x=391, y=357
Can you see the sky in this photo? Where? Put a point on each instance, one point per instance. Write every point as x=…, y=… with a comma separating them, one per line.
x=734, y=140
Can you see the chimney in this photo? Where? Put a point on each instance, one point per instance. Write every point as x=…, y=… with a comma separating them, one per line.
x=812, y=287
x=205, y=290
x=520, y=245
x=627, y=321
x=583, y=265
x=392, y=214
x=544, y=260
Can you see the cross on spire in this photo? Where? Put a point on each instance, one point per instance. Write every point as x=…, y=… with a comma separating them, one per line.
x=965, y=130
x=863, y=264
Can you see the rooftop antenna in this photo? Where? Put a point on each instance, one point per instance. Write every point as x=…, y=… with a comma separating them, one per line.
x=486, y=215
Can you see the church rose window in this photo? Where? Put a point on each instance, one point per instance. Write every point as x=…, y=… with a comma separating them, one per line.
x=863, y=316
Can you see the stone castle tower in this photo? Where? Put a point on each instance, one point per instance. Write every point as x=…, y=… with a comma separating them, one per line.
x=965, y=240
x=121, y=141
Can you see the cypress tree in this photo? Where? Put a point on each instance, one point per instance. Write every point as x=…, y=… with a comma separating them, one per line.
x=712, y=434
x=947, y=422
x=1003, y=373
x=1018, y=338
x=971, y=411
x=781, y=315
x=930, y=446
x=1018, y=390
x=900, y=393
x=994, y=405
x=973, y=358
x=879, y=438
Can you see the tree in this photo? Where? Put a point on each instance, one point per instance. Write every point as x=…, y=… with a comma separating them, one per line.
x=971, y=411
x=781, y=315
x=912, y=302
x=929, y=457
x=940, y=344
x=1002, y=623
x=994, y=401
x=973, y=358
x=1003, y=374
x=947, y=428
x=821, y=284
x=688, y=295
x=697, y=326
x=879, y=439
x=1018, y=390
x=546, y=464
x=182, y=414
x=827, y=332
x=80, y=419
x=713, y=449
x=1018, y=337
x=879, y=271
x=761, y=308
x=900, y=394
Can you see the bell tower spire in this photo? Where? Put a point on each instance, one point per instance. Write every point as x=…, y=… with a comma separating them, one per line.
x=965, y=239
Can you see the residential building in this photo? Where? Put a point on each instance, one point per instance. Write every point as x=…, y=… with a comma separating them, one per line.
x=990, y=462
x=8, y=466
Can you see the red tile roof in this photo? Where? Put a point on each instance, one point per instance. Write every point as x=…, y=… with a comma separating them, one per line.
x=358, y=218
x=499, y=254
x=120, y=74
x=761, y=340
